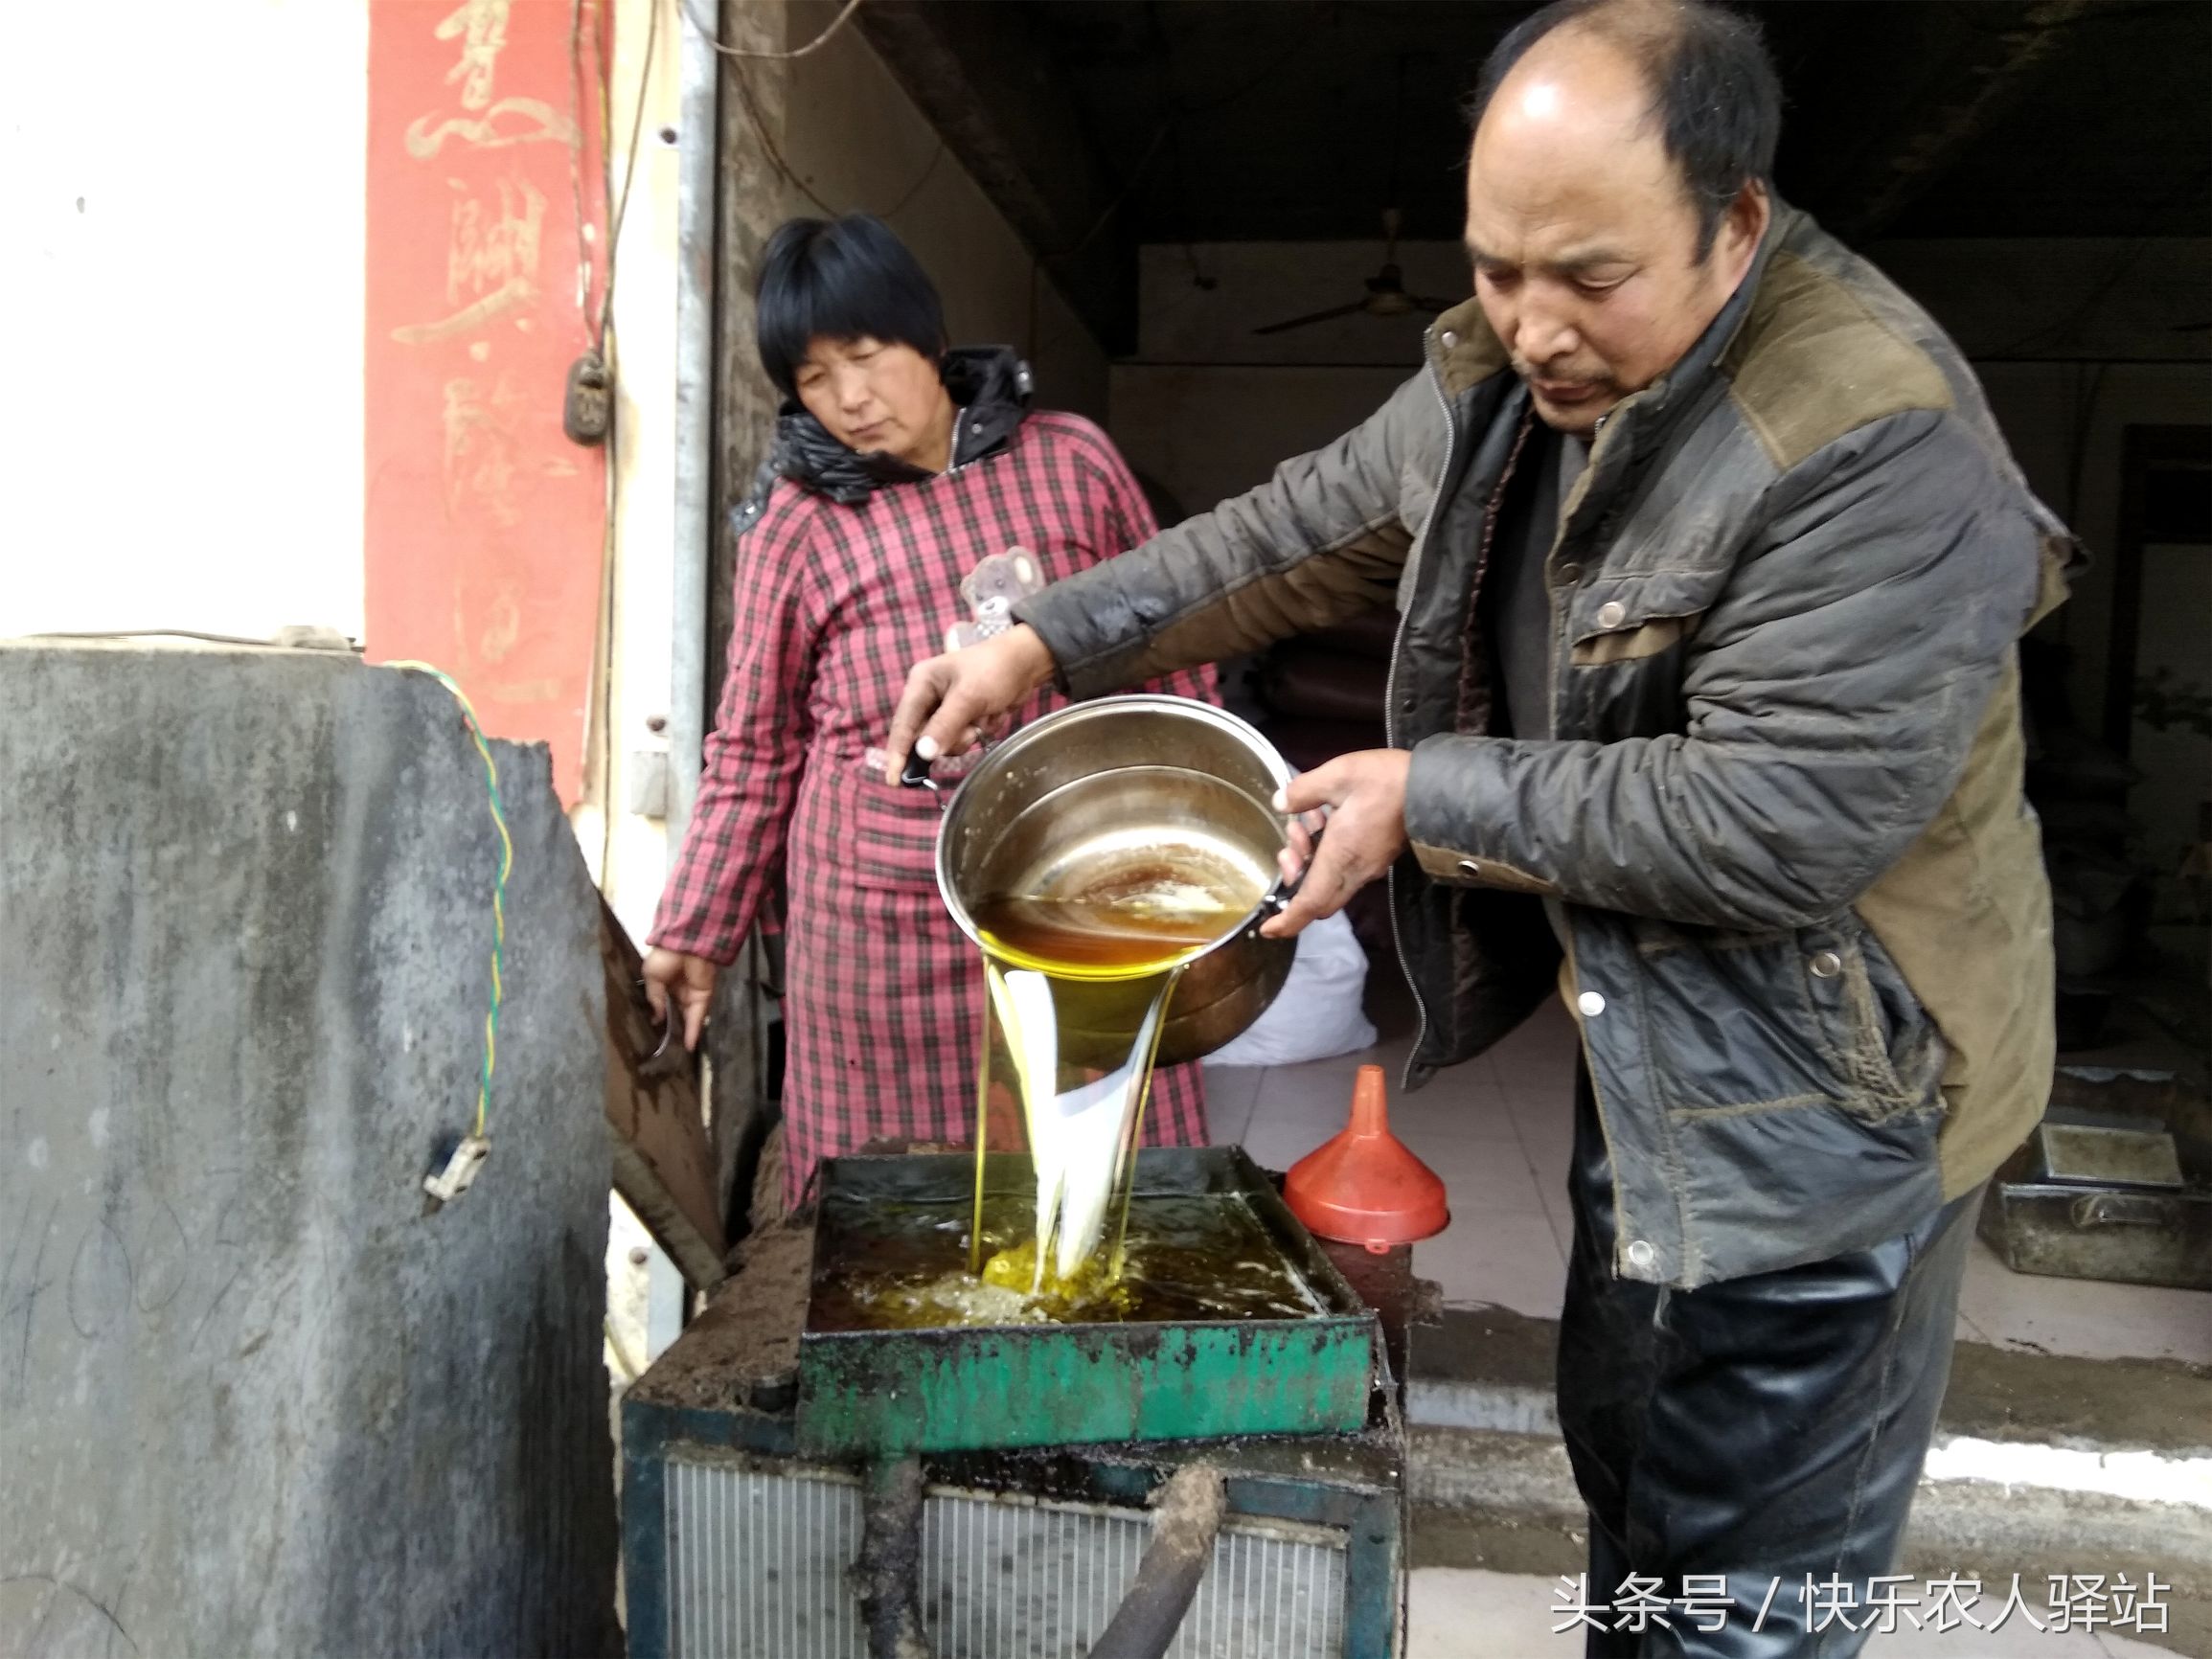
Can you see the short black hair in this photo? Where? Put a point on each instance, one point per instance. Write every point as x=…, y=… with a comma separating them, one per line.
x=1714, y=94
x=843, y=277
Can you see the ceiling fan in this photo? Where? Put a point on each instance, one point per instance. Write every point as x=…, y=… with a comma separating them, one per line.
x=1386, y=295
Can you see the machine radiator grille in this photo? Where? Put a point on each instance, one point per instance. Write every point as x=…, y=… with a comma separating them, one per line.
x=758, y=1562
x=1010, y=1580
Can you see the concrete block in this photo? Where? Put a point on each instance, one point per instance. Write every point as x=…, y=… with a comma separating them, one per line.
x=253, y=1398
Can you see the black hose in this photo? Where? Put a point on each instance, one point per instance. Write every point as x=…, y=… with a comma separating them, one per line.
x=1187, y=1517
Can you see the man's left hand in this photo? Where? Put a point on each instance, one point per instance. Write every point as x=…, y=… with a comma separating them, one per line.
x=1364, y=796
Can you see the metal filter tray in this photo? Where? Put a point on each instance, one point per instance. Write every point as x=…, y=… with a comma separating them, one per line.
x=876, y=1393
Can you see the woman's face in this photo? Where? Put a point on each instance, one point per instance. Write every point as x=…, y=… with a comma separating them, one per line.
x=869, y=396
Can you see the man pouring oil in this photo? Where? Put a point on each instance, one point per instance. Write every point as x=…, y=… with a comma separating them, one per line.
x=1710, y=564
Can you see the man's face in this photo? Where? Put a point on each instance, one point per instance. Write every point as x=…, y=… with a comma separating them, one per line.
x=1584, y=239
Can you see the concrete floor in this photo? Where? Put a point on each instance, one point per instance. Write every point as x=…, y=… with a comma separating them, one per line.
x=1499, y=1130
x=1463, y=1614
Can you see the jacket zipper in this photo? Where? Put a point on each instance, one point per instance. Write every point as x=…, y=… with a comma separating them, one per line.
x=1470, y=627
x=1390, y=719
x=1390, y=692
x=1566, y=512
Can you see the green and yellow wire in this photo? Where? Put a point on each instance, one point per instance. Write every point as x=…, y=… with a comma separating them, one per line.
x=498, y=885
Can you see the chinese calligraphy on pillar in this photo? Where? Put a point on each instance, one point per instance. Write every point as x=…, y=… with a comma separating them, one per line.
x=486, y=217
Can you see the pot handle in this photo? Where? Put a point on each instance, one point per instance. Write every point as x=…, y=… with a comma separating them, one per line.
x=914, y=774
x=1279, y=896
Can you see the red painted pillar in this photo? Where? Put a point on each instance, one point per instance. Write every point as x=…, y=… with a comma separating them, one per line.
x=485, y=524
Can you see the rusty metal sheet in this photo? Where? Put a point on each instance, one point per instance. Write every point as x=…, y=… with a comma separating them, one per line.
x=664, y=1167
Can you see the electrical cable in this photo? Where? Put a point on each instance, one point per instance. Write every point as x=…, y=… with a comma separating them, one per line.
x=629, y=169
x=498, y=823
x=915, y=189
x=815, y=45
x=2088, y=386
x=600, y=731
x=601, y=330
x=614, y=1343
x=769, y=144
x=498, y=885
x=1168, y=133
x=790, y=174
x=1037, y=261
x=575, y=147
x=1136, y=178
x=176, y=634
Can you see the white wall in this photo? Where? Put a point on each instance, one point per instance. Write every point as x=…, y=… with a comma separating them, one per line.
x=2042, y=298
x=1208, y=405
x=2074, y=342
x=1202, y=303
x=1205, y=434
x=183, y=191
x=626, y=849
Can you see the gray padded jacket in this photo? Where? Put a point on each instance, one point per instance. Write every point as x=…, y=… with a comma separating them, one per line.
x=1779, y=824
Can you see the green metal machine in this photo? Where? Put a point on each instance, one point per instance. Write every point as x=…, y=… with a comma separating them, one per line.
x=870, y=1393
x=757, y=1451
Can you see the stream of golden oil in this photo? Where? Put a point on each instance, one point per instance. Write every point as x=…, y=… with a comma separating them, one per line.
x=1111, y=957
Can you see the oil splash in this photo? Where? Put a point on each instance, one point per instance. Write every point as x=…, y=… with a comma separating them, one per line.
x=902, y=1265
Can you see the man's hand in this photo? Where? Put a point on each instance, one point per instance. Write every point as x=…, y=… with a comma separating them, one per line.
x=688, y=979
x=1364, y=796
x=950, y=700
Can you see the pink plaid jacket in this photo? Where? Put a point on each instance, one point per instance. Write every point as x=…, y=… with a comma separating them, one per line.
x=883, y=1002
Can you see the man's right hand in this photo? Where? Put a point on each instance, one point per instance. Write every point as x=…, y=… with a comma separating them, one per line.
x=950, y=700
x=690, y=980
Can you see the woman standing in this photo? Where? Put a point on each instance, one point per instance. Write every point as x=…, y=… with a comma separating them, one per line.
x=909, y=494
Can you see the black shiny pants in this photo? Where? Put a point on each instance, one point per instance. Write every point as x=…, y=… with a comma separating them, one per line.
x=1767, y=1430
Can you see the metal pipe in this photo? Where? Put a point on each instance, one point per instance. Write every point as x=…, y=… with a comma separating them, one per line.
x=697, y=75
x=887, y=1573
x=1188, y=1517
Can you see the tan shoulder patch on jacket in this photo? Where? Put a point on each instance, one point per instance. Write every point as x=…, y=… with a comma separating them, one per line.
x=1813, y=362
x=1467, y=352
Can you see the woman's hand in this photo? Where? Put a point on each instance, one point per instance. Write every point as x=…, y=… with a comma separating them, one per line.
x=950, y=700
x=689, y=979
x=1363, y=796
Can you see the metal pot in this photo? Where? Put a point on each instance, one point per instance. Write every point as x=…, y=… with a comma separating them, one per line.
x=1092, y=787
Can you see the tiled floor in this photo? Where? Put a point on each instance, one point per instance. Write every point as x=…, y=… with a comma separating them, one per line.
x=1499, y=1130
x=1463, y=1614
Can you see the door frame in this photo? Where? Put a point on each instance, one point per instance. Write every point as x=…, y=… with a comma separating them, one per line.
x=2143, y=450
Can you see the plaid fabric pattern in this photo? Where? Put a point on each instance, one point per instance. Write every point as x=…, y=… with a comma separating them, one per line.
x=883, y=1004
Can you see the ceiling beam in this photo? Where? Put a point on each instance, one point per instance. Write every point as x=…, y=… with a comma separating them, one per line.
x=981, y=74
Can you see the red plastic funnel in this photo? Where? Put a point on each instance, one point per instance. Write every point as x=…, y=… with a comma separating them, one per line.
x=1364, y=1187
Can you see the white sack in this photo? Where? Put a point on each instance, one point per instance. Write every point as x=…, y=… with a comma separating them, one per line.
x=1317, y=1014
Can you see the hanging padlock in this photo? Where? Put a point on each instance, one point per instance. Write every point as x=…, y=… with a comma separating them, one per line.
x=588, y=407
